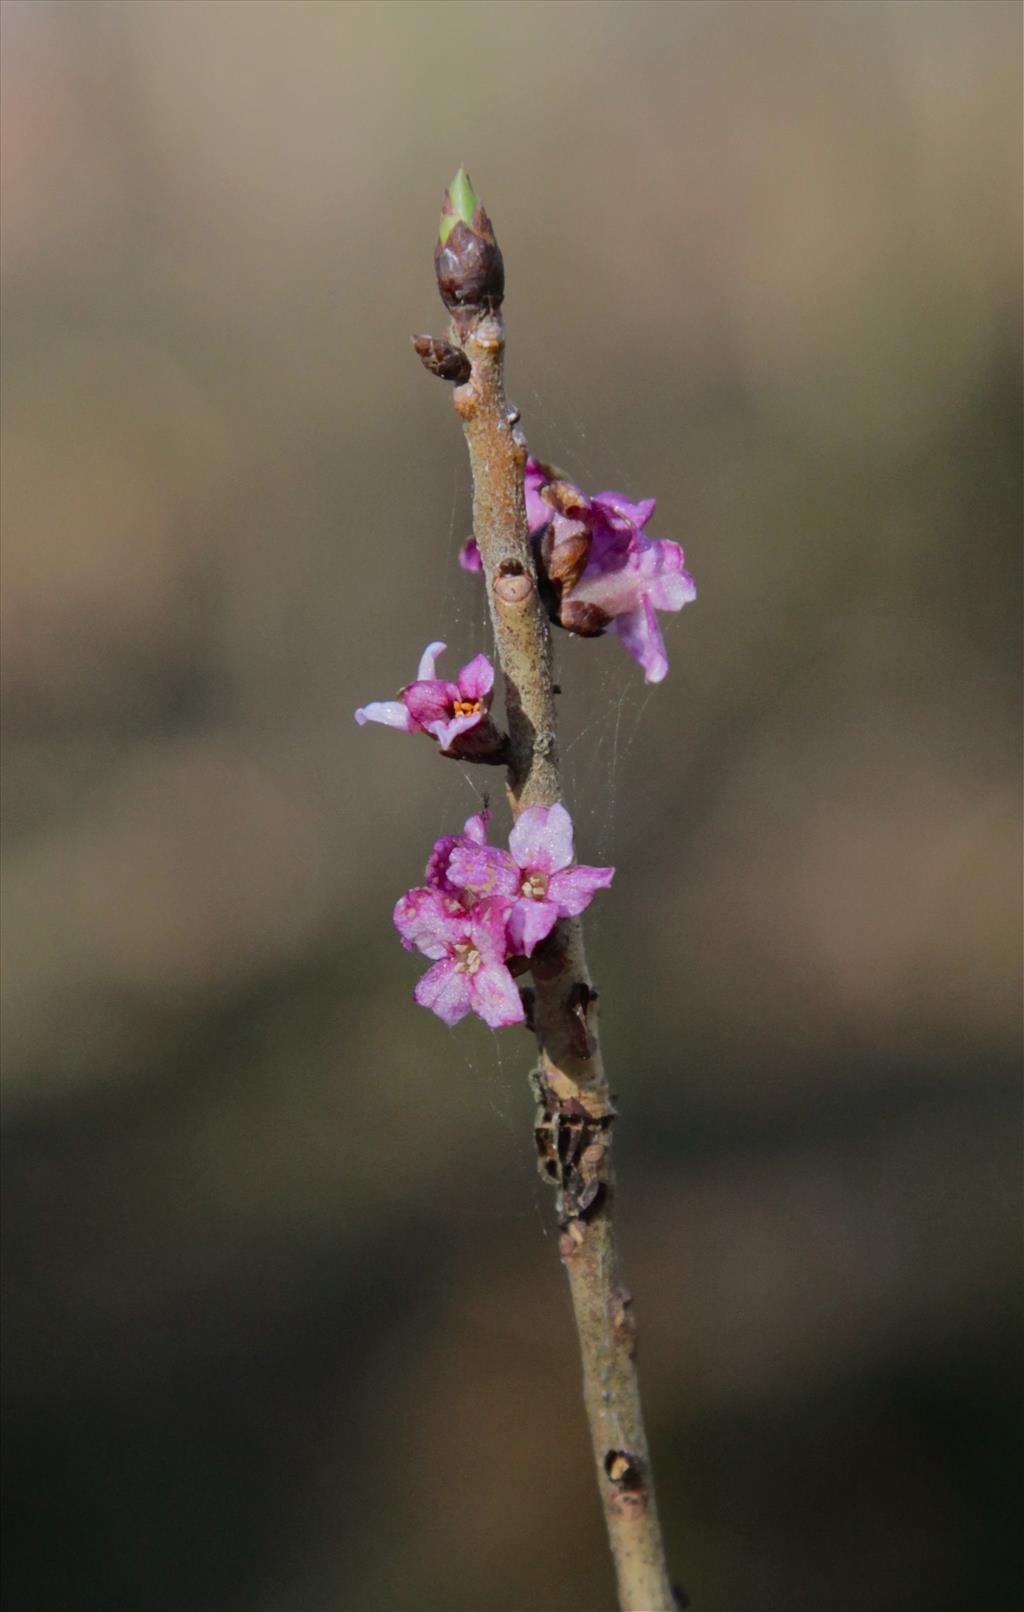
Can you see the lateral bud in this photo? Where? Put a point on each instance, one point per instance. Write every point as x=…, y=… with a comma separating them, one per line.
x=512, y=587
x=443, y=359
x=467, y=258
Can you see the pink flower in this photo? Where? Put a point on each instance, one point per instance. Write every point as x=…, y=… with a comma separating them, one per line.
x=448, y=711
x=599, y=569
x=536, y=876
x=627, y=577
x=468, y=947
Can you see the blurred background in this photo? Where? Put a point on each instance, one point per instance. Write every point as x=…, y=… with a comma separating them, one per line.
x=285, y=1325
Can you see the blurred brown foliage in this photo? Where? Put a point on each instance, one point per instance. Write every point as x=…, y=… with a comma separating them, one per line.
x=283, y=1329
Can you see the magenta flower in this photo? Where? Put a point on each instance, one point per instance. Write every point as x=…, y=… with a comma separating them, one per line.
x=627, y=576
x=468, y=947
x=536, y=876
x=448, y=711
x=605, y=574
x=469, y=555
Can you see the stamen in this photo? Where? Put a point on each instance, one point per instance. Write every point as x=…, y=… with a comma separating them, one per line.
x=469, y=959
x=535, y=885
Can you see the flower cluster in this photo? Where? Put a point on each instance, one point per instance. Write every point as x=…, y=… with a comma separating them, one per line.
x=483, y=907
x=598, y=569
x=484, y=910
x=456, y=714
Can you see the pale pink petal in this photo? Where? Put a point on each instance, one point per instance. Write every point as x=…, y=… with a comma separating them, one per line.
x=392, y=713
x=542, y=838
x=573, y=889
x=476, y=679
x=641, y=635
x=612, y=580
x=430, y=701
x=529, y=923
x=430, y=921
x=613, y=583
x=495, y=996
x=665, y=580
x=488, y=920
x=446, y=733
x=475, y=828
x=446, y=991
x=428, y=661
x=483, y=870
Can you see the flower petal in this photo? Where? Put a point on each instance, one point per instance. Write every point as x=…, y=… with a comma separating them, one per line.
x=437, y=864
x=392, y=713
x=488, y=921
x=476, y=679
x=429, y=920
x=474, y=834
x=475, y=828
x=537, y=512
x=574, y=889
x=483, y=870
x=469, y=555
x=610, y=547
x=495, y=996
x=617, y=508
x=542, y=838
x=529, y=923
x=641, y=635
x=430, y=701
x=446, y=733
x=445, y=990
x=664, y=577
x=428, y=661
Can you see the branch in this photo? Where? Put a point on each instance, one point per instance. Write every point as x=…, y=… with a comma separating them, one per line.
x=575, y=1112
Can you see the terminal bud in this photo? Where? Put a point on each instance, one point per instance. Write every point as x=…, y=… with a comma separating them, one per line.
x=467, y=258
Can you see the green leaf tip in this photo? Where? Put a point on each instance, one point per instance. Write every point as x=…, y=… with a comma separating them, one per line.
x=460, y=203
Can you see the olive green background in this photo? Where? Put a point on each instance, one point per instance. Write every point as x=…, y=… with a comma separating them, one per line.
x=285, y=1326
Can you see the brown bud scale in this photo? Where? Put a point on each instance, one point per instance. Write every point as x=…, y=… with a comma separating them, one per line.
x=443, y=359
x=588, y=620
x=469, y=267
